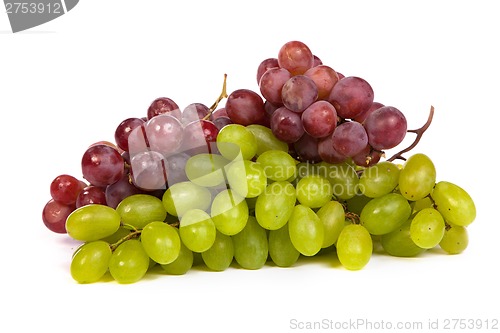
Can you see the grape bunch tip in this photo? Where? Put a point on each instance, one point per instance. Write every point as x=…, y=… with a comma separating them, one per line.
x=292, y=170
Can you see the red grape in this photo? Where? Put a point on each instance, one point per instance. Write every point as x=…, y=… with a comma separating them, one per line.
x=123, y=130
x=265, y=65
x=351, y=96
x=319, y=119
x=102, y=165
x=325, y=78
x=349, y=138
x=163, y=105
x=298, y=93
x=296, y=57
x=65, y=189
x=272, y=83
x=54, y=215
x=286, y=125
x=91, y=195
x=386, y=128
x=245, y=107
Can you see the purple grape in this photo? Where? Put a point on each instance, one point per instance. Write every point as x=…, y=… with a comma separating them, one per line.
x=328, y=153
x=325, y=79
x=296, y=57
x=118, y=191
x=148, y=171
x=164, y=133
x=91, y=195
x=319, y=119
x=386, y=128
x=307, y=149
x=351, y=96
x=264, y=66
x=102, y=165
x=349, y=138
x=123, y=131
x=286, y=125
x=271, y=84
x=245, y=107
x=298, y=93
x=163, y=105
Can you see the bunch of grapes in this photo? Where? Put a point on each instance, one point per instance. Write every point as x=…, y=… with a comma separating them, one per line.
x=261, y=180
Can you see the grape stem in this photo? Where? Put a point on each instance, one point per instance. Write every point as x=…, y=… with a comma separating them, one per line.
x=419, y=132
x=134, y=233
x=353, y=217
x=222, y=95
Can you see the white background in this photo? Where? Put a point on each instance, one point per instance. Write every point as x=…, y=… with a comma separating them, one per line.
x=68, y=83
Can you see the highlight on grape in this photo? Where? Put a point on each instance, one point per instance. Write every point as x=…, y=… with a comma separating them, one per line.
x=294, y=170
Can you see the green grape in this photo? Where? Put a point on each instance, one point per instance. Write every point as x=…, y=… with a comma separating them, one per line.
x=277, y=164
x=139, y=209
x=206, y=169
x=455, y=239
x=418, y=205
x=182, y=264
x=266, y=139
x=119, y=234
x=398, y=243
x=90, y=262
x=332, y=216
x=251, y=246
x=306, y=169
x=236, y=140
x=454, y=203
x=306, y=230
x=379, y=179
x=229, y=212
x=275, y=205
x=314, y=191
x=281, y=249
x=92, y=222
x=197, y=230
x=356, y=203
x=246, y=178
x=354, y=247
x=385, y=214
x=183, y=196
x=129, y=262
x=343, y=177
x=427, y=228
x=417, y=178
x=220, y=256
x=161, y=242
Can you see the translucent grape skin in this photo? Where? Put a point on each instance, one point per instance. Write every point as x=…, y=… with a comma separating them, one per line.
x=281, y=250
x=266, y=139
x=417, y=178
x=386, y=127
x=354, y=247
x=332, y=216
x=245, y=107
x=286, y=125
x=236, y=139
x=161, y=242
x=271, y=84
x=319, y=119
x=92, y=222
x=65, y=189
x=349, y=138
x=197, y=230
x=246, y=178
x=229, y=212
x=314, y=191
x=306, y=230
x=427, y=228
x=129, y=262
x=140, y=209
x=90, y=262
x=454, y=203
x=455, y=239
x=102, y=165
x=220, y=255
x=54, y=215
x=351, y=96
x=275, y=205
x=379, y=179
x=298, y=93
x=385, y=214
x=182, y=264
x=278, y=165
x=251, y=247
x=184, y=196
x=296, y=57
x=398, y=243
x=206, y=169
